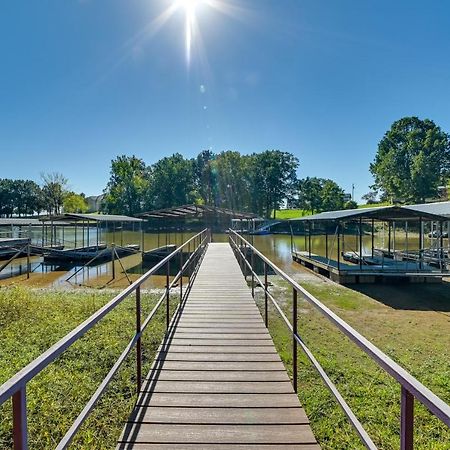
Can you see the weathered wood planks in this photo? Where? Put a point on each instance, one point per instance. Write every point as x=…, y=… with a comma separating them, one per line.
x=217, y=381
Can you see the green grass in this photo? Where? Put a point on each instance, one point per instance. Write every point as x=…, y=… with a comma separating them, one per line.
x=374, y=205
x=30, y=322
x=291, y=213
x=414, y=336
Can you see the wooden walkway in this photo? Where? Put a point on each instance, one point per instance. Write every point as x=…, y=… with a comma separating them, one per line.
x=217, y=381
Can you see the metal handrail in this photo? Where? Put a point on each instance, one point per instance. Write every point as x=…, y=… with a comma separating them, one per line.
x=15, y=387
x=411, y=388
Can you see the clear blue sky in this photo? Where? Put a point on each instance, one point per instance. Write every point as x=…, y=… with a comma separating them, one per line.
x=82, y=81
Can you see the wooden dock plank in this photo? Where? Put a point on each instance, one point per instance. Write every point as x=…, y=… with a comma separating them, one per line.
x=219, y=375
x=221, y=434
x=223, y=416
x=217, y=381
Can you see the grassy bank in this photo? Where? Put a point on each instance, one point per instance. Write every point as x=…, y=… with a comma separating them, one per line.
x=406, y=328
x=30, y=322
x=290, y=213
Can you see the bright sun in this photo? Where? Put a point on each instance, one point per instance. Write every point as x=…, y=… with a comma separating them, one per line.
x=190, y=7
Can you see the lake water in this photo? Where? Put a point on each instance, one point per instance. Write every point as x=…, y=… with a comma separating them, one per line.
x=276, y=247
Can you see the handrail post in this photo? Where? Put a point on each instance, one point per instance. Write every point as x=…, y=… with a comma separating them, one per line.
x=181, y=275
x=407, y=420
x=294, y=340
x=139, y=340
x=266, y=303
x=252, y=262
x=167, y=295
x=20, y=432
x=245, y=261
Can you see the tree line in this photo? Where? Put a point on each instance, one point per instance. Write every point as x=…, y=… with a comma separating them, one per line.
x=26, y=197
x=259, y=183
x=412, y=164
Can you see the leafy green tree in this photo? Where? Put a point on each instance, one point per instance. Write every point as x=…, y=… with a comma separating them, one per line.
x=54, y=188
x=20, y=197
x=351, y=204
x=6, y=197
x=276, y=173
x=29, y=197
x=319, y=194
x=370, y=197
x=309, y=194
x=413, y=159
x=173, y=182
x=232, y=180
x=205, y=177
x=127, y=187
x=75, y=203
x=332, y=196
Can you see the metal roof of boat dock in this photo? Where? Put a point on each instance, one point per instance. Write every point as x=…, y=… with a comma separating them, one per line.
x=194, y=211
x=92, y=218
x=440, y=208
x=378, y=213
x=18, y=221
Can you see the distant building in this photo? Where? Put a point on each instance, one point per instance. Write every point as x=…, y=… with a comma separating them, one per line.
x=94, y=203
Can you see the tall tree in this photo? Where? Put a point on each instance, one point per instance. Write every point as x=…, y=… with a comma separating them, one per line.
x=54, y=187
x=232, y=180
x=319, y=194
x=75, y=203
x=7, y=197
x=205, y=176
x=173, y=182
x=21, y=197
x=309, y=194
x=413, y=159
x=127, y=187
x=332, y=196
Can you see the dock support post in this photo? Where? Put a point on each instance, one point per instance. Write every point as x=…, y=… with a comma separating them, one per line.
x=28, y=252
x=326, y=244
x=420, y=242
x=139, y=340
x=28, y=259
x=407, y=420
x=389, y=238
x=338, y=229
x=113, y=253
x=294, y=340
x=309, y=239
x=304, y=234
x=360, y=245
x=373, y=236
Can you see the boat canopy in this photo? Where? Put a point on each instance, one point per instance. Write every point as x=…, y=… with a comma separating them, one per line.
x=91, y=218
x=382, y=213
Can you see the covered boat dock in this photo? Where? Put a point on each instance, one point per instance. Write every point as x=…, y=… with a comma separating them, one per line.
x=372, y=245
x=91, y=246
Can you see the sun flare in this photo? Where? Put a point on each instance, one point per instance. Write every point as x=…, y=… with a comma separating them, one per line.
x=190, y=10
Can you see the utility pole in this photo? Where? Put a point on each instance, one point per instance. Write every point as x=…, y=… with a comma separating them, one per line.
x=353, y=191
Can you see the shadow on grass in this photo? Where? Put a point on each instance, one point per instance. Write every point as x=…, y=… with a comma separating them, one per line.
x=415, y=297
